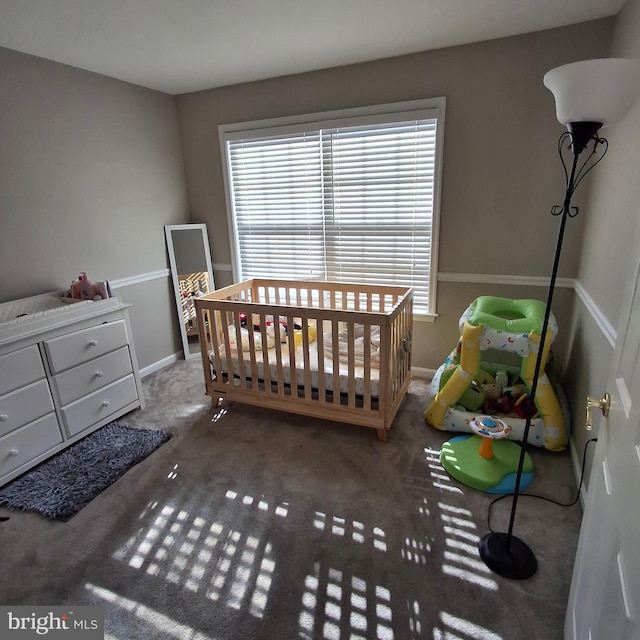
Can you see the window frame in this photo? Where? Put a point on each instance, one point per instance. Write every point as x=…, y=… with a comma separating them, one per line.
x=413, y=109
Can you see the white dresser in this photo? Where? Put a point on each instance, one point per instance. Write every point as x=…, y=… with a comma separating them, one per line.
x=66, y=369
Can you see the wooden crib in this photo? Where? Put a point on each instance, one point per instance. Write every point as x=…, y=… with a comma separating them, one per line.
x=335, y=351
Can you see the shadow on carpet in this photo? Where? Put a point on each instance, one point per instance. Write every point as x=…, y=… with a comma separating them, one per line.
x=65, y=483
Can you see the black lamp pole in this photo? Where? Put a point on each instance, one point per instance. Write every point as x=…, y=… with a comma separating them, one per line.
x=504, y=553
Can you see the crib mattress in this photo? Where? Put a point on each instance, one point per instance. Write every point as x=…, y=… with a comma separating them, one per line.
x=298, y=368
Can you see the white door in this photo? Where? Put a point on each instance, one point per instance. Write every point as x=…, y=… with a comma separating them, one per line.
x=604, y=602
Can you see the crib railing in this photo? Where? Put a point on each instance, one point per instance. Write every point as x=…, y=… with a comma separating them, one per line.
x=321, y=311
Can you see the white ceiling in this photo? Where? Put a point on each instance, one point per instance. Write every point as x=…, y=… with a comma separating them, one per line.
x=178, y=46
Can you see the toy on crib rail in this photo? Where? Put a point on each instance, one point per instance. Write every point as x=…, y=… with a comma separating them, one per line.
x=269, y=323
x=84, y=289
x=255, y=324
x=246, y=338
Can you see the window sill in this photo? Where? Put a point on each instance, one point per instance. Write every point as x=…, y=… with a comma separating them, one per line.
x=425, y=317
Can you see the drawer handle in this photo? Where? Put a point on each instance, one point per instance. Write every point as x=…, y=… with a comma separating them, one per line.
x=14, y=452
x=105, y=403
x=98, y=374
x=4, y=417
x=93, y=343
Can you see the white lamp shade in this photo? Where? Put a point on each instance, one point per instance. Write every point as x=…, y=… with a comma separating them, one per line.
x=594, y=90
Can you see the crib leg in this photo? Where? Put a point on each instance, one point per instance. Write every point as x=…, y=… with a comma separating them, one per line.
x=216, y=402
x=383, y=435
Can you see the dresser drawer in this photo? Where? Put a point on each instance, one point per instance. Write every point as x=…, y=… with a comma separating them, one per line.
x=100, y=404
x=24, y=405
x=19, y=368
x=81, y=346
x=91, y=376
x=29, y=442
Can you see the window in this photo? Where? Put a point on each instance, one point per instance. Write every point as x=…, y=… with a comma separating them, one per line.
x=350, y=196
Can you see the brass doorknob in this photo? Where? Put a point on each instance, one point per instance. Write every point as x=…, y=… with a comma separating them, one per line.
x=604, y=404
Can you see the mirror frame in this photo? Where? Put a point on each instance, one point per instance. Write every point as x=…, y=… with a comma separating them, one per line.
x=169, y=229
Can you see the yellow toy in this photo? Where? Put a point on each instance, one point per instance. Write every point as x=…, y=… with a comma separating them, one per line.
x=492, y=324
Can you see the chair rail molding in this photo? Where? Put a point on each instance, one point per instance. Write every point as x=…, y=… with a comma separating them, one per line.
x=129, y=281
x=501, y=278
x=599, y=318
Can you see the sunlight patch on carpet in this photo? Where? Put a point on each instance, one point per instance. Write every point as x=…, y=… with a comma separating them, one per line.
x=461, y=558
x=367, y=606
x=135, y=615
x=219, y=562
x=453, y=624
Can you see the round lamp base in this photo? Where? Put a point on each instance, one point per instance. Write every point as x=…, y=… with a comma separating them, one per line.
x=515, y=561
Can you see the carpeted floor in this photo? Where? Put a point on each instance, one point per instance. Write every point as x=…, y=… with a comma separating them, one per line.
x=252, y=524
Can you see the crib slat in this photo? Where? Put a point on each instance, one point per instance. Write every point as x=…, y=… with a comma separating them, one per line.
x=229, y=368
x=266, y=368
x=322, y=390
x=214, y=332
x=291, y=344
x=384, y=382
x=336, y=361
x=245, y=357
x=255, y=382
x=308, y=391
x=278, y=347
x=204, y=327
x=351, y=376
x=235, y=322
x=366, y=395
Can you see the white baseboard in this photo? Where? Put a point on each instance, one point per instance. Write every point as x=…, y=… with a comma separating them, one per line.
x=422, y=372
x=160, y=364
x=577, y=470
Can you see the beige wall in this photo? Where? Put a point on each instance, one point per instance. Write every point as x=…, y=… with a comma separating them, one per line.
x=612, y=235
x=500, y=176
x=90, y=171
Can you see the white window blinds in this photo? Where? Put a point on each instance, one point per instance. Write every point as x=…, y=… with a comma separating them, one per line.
x=348, y=201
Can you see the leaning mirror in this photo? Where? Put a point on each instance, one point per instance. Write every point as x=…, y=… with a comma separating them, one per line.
x=192, y=275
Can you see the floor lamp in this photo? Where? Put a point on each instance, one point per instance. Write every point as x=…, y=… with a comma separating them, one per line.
x=589, y=95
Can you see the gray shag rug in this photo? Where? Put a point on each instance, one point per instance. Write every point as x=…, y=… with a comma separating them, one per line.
x=65, y=483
